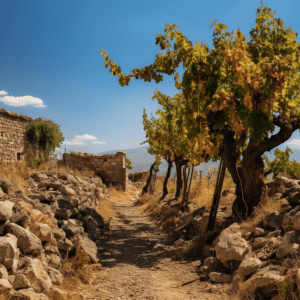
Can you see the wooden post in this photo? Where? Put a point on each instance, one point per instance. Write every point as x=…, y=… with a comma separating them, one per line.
x=216, y=198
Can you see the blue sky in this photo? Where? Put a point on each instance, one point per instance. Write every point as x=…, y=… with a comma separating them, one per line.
x=50, y=60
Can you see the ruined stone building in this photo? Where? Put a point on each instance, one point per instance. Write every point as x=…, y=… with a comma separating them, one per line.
x=13, y=140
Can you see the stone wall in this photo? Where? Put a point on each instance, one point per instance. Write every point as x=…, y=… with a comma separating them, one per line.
x=13, y=140
x=110, y=167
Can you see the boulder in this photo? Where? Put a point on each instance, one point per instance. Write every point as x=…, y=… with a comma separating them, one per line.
x=258, y=243
x=53, y=261
x=6, y=211
x=219, y=277
x=65, y=245
x=86, y=211
x=85, y=246
x=5, y=286
x=19, y=216
x=249, y=266
x=39, y=176
x=9, y=253
x=264, y=280
x=296, y=221
x=273, y=221
x=3, y=272
x=27, y=241
x=258, y=232
x=289, y=245
x=55, y=276
x=234, y=228
x=58, y=233
x=20, y=281
x=63, y=213
x=42, y=231
x=35, y=272
x=67, y=191
x=72, y=230
x=231, y=247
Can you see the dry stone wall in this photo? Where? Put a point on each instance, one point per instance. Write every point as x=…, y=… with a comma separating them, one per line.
x=110, y=167
x=13, y=140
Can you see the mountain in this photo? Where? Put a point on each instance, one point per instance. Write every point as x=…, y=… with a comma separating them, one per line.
x=142, y=160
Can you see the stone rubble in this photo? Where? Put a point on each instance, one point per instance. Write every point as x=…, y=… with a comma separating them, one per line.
x=55, y=221
x=255, y=258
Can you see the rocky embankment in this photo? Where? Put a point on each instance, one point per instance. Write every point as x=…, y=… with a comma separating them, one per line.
x=57, y=219
x=260, y=255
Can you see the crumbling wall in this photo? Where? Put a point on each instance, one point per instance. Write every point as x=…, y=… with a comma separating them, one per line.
x=109, y=167
x=13, y=140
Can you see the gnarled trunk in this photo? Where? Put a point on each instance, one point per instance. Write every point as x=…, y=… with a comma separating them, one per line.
x=145, y=188
x=165, y=189
x=179, y=162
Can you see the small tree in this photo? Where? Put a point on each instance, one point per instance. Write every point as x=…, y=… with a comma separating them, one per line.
x=46, y=136
x=281, y=163
x=128, y=163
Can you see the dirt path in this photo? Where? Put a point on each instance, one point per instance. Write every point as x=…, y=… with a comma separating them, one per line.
x=134, y=265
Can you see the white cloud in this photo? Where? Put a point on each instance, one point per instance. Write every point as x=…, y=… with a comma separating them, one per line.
x=84, y=137
x=20, y=101
x=98, y=142
x=78, y=140
x=73, y=143
x=295, y=144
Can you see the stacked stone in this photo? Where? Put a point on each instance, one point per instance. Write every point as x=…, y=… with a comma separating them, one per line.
x=41, y=229
x=13, y=138
x=110, y=167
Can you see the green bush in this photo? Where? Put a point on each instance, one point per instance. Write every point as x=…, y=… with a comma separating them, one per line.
x=45, y=135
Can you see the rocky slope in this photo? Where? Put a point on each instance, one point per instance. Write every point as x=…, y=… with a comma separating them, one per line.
x=55, y=220
x=259, y=255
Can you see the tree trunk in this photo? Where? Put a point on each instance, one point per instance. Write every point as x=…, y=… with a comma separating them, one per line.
x=186, y=190
x=165, y=189
x=145, y=188
x=179, y=162
x=248, y=177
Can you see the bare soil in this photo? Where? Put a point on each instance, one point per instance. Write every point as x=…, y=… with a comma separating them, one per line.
x=135, y=265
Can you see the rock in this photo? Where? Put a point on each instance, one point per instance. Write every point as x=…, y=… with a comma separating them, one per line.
x=55, y=185
x=39, y=176
x=19, y=216
x=272, y=188
x=9, y=253
x=85, y=246
x=258, y=231
x=58, y=233
x=36, y=274
x=72, y=230
x=63, y=213
x=3, y=272
x=209, y=251
x=27, y=241
x=5, y=286
x=86, y=211
x=51, y=247
x=90, y=224
x=53, y=261
x=231, y=247
x=274, y=233
x=28, y=294
x=55, y=276
x=6, y=210
x=65, y=245
x=288, y=245
x=258, y=243
x=263, y=281
x=296, y=221
x=249, y=266
x=42, y=231
x=20, y=282
x=219, y=277
x=57, y=293
x=67, y=191
x=234, y=228
x=273, y=221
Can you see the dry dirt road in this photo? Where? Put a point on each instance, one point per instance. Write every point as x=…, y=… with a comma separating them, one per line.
x=134, y=264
